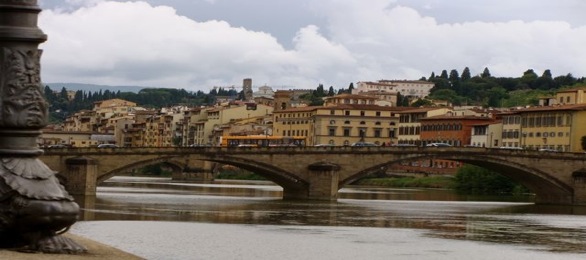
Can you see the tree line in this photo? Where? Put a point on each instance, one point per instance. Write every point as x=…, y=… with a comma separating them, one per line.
x=61, y=105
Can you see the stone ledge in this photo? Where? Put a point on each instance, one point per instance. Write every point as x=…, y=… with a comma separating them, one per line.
x=95, y=249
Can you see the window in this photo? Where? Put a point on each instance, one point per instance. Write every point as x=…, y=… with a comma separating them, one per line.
x=362, y=123
x=332, y=132
x=362, y=113
x=377, y=113
x=377, y=132
x=346, y=131
x=347, y=113
x=332, y=122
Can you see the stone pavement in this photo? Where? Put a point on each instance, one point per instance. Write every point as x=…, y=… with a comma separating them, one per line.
x=95, y=251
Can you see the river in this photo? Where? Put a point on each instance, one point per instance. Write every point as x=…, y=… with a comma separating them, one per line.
x=157, y=218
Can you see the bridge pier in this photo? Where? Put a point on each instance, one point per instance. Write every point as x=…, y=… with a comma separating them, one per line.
x=81, y=175
x=323, y=183
x=579, y=178
x=203, y=172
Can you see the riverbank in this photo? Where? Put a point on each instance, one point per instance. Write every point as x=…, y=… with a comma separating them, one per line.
x=434, y=182
x=96, y=250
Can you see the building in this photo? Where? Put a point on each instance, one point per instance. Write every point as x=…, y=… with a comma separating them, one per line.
x=348, y=99
x=409, y=125
x=341, y=124
x=571, y=96
x=486, y=134
x=453, y=130
x=558, y=127
x=414, y=89
x=208, y=127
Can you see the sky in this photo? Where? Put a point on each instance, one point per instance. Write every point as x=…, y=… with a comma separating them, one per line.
x=199, y=44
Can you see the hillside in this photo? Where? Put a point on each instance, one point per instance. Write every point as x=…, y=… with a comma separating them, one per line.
x=92, y=87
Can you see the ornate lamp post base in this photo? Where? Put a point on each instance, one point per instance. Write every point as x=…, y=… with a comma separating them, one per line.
x=34, y=207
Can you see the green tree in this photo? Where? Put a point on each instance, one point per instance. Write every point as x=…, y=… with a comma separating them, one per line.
x=421, y=103
x=454, y=76
x=496, y=96
x=528, y=79
x=485, y=74
x=320, y=92
x=476, y=180
x=331, y=92
x=446, y=94
x=402, y=101
x=546, y=81
x=466, y=74
x=444, y=74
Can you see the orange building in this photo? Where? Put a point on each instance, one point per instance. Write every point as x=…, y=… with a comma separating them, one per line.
x=453, y=130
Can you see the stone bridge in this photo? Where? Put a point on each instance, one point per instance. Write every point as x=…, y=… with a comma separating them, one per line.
x=319, y=172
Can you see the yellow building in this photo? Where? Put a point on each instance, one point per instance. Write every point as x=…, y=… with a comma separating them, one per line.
x=553, y=127
x=341, y=124
x=571, y=96
x=511, y=135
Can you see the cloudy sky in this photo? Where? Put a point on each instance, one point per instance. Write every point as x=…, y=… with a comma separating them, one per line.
x=198, y=44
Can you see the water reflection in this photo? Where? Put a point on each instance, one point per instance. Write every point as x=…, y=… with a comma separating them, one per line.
x=442, y=213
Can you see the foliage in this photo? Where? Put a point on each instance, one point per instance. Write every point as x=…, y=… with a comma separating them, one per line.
x=239, y=174
x=155, y=169
x=61, y=105
x=488, y=91
x=315, y=97
x=476, y=180
x=423, y=182
x=422, y=102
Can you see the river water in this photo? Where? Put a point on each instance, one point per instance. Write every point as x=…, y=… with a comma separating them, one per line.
x=157, y=218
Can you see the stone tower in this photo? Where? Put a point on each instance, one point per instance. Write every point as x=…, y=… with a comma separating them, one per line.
x=283, y=99
x=247, y=89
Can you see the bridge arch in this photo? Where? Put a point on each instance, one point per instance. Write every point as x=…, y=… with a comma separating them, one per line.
x=545, y=186
x=171, y=161
x=281, y=177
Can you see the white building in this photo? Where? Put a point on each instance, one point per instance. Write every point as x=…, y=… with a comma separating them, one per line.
x=409, y=88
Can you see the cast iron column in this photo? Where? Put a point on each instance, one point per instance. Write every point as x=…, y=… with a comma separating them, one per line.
x=34, y=206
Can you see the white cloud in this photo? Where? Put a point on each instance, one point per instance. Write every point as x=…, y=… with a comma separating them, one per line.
x=135, y=43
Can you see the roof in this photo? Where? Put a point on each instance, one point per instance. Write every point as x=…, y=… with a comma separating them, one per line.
x=575, y=107
x=446, y=117
x=572, y=89
x=354, y=96
x=421, y=109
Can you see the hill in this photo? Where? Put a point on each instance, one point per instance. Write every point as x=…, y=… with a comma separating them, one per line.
x=92, y=87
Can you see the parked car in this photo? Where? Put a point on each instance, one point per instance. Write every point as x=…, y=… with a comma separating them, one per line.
x=403, y=145
x=324, y=145
x=364, y=144
x=439, y=145
x=107, y=146
x=57, y=146
x=511, y=147
x=548, y=150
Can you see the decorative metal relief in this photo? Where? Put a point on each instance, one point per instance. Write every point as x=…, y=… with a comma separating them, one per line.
x=22, y=103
